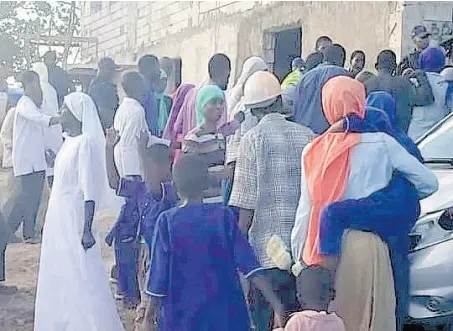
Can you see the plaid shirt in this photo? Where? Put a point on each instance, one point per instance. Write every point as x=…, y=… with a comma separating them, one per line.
x=267, y=179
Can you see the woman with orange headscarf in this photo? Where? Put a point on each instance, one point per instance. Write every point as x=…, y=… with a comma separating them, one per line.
x=338, y=166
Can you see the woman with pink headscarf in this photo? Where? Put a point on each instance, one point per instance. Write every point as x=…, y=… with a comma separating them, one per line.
x=339, y=166
x=170, y=132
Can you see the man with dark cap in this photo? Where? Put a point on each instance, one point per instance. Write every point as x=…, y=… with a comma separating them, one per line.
x=307, y=108
x=420, y=37
x=405, y=94
x=104, y=93
x=58, y=77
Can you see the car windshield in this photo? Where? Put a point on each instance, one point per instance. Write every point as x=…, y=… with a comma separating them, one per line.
x=437, y=145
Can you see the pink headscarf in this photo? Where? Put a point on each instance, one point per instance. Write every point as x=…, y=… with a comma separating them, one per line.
x=178, y=101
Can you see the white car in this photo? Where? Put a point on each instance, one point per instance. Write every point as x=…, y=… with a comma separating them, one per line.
x=431, y=255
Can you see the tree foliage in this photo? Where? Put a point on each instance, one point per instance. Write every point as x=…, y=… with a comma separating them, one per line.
x=20, y=18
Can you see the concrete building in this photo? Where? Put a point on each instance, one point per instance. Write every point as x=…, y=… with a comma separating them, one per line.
x=276, y=30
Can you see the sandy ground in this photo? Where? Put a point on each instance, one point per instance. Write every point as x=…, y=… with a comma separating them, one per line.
x=16, y=311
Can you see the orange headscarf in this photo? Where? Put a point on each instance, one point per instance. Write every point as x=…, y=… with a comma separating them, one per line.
x=327, y=161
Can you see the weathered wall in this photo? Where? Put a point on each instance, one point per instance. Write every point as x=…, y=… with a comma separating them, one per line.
x=196, y=30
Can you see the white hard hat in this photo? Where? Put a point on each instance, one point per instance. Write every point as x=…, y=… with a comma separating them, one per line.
x=261, y=90
x=447, y=73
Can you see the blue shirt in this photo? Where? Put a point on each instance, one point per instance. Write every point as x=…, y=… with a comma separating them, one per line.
x=149, y=102
x=142, y=208
x=196, y=253
x=307, y=101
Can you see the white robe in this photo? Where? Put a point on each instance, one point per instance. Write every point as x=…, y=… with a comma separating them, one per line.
x=73, y=292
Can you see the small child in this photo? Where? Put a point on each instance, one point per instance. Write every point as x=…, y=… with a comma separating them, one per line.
x=196, y=253
x=145, y=201
x=314, y=292
x=155, y=196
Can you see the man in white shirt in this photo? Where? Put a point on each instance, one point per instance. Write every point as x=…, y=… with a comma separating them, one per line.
x=129, y=123
x=53, y=137
x=28, y=155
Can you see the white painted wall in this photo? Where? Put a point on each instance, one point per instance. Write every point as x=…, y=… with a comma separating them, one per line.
x=195, y=30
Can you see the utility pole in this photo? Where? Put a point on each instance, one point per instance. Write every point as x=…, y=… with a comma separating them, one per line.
x=69, y=34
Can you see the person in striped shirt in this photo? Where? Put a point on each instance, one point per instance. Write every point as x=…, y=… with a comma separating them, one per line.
x=209, y=142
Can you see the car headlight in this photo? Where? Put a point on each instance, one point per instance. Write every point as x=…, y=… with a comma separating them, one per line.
x=431, y=228
x=437, y=305
x=426, y=223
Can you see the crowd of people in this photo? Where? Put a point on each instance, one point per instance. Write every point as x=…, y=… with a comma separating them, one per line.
x=271, y=205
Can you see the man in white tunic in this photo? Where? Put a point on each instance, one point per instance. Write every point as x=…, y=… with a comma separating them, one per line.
x=73, y=292
x=53, y=137
x=28, y=155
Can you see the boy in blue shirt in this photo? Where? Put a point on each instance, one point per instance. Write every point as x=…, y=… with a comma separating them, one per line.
x=196, y=253
x=146, y=200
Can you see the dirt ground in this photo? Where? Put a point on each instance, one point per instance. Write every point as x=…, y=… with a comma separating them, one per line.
x=16, y=310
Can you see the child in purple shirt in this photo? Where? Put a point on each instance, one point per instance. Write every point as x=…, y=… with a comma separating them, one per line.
x=196, y=254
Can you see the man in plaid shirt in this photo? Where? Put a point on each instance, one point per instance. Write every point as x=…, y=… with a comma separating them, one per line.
x=266, y=186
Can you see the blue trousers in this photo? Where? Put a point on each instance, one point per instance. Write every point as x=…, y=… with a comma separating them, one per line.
x=126, y=256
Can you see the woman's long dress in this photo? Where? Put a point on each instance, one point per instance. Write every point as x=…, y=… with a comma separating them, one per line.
x=73, y=292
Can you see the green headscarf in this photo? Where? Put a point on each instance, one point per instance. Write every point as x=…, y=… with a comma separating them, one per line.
x=204, y=95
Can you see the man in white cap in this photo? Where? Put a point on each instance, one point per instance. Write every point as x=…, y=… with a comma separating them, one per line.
x=266, y=186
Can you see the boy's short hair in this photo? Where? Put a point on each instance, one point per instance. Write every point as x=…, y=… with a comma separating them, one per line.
x=190, y=174
x=356, y=53
x=321, y=40
x=218, y=64
x=133, y=84
x=314, y=287
x=386, y=59
x=158, y=154
x=148, y=63
x=336, y=55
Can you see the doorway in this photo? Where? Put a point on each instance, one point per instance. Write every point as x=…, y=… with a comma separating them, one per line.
x=288, y=45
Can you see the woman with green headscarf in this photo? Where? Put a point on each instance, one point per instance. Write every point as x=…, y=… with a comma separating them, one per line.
x=208, y=141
